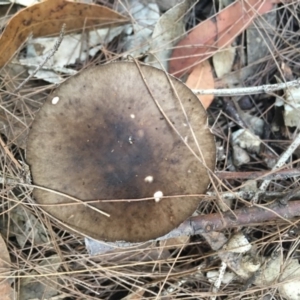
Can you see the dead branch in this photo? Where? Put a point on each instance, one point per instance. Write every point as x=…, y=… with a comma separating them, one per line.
x=241, y=217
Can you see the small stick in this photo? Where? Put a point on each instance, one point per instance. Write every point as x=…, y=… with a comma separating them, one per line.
x=259, y=175
x=230, y=109
x=204, y=224
x=242, y=217
x=270, y=196
x=266, y=88
x=284, y=200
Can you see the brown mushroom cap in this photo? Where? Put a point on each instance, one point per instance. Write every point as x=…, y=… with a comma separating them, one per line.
x=107, y=139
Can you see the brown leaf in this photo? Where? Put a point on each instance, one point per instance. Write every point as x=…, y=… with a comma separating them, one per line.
x=215, y=33
x=47, y=18
x=202, y=78
x=6, y=292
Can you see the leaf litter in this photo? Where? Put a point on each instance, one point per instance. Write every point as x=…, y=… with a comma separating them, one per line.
x=51, y=263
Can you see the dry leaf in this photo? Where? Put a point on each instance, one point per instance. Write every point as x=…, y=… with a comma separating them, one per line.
x=15, y=128
x=6, y=292
x=138, y=34
x=215, y=33
x=73, y=47
x=238, y=243
x=260, y=41
x=167, y=31
x=27, y=227
x=291, y=102
x=223, y=61
x=202, y=78
x=32, y=287
x=246, y=139
x=269, y=272
x=290, y=287
x=47, y=18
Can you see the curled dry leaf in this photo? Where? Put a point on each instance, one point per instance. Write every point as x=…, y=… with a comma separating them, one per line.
x=245, y=139
x=202, y=78
x=48, y=17
x=215, y=33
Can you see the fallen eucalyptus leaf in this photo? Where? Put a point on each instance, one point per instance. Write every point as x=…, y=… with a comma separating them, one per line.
x=48, y=17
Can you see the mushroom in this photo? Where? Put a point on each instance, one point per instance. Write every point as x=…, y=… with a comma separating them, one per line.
x=117, y=135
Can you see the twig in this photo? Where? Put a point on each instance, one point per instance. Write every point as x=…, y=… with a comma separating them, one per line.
x=266, y=88
x=284, y=200
x=242, y=217
x=259, y=175
x=50, y=54
x=269, y=196
x=215, y=222
x=230, y=109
